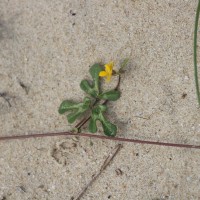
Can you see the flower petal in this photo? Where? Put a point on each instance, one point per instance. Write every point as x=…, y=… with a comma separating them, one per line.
x=109, y=67
x=108, y=78
x=103, y=73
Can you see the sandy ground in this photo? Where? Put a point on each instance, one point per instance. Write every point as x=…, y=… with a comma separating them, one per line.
x=47, y=46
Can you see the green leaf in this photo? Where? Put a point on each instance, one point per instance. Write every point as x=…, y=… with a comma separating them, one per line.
x=100, y=108
x=97, y=114
x=111, y=95
x=77, y=109
x=195, y=52
x=92, y=126
x=85, y=86
x=73, y=116
x=94, y=71
x=66, y=106
x=92, y=89
x=109, y=128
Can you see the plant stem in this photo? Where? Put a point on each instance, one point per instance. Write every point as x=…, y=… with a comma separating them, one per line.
x=82, y=122
x=195, y=53
x=86, y=119
x=99, y=137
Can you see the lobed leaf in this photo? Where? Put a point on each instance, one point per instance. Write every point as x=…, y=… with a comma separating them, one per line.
x=66, y=106
x=97, y=114
x=111, y=95
x=93, y=89
x=109, y=128
x=92, y=126
x=77, y=109
x=86, y=87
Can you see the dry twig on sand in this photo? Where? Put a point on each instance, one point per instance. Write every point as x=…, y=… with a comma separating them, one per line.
x=102, y=137
x=103, y=167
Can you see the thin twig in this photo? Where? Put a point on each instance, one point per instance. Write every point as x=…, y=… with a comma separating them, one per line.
x=103, y=167
x=118, y=83
x=190, y=146
x=82, y=122
x=195, y=53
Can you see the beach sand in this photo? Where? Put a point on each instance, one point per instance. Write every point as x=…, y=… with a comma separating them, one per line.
x=46, y=48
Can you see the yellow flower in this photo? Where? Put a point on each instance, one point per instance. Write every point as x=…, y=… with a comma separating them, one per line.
x=108, y=71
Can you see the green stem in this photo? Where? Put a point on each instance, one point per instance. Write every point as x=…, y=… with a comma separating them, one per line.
x=195, y=53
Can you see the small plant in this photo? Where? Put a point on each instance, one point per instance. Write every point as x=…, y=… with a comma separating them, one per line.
x=96, y=99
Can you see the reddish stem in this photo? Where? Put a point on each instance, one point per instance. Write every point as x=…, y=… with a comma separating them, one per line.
x=99, y=137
